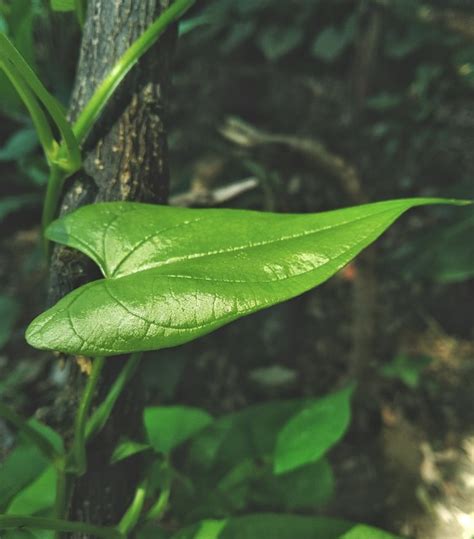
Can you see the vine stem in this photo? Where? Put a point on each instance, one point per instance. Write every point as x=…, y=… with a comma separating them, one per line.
x=51, y=200
x=78, y=450
x=99, y=99
x=132, y=515
x=38, y=117
x=9, y=522
x=103, y=411
x=10, y=54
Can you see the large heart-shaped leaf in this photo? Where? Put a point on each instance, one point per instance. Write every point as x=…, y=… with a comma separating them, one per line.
x=174, y=274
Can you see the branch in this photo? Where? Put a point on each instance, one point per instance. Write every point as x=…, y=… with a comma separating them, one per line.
x=206, y=197
x=248, y=136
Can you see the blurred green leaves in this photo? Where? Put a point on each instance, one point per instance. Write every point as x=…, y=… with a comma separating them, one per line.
x=332, y=40
x=277, y=41
x=168, y=427
x=407, y=369
x=312, y=432
x=17, y=19
x=9, y=313
x=62, y=5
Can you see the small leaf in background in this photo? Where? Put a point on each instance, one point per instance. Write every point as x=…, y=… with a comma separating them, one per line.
x=62, y=5
x=187, y=25
x=168, y=427
x=19, y=534
x=127, y=448
x=306, y=488
x=277, y=41
x=360, y=531
x=19, y=145
x=383, y=101
x=267, y=525
x=445, y=254
x=332, y=41
x=19, y=20
x=9, y=313
x=36, y=497
x=14, y=203
x=239, y=33
x=312, y=432
x=274, y=376
x=22, y=466
x=407, y=369
x=249, y=434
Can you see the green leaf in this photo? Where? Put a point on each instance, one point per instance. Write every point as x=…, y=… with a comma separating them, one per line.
x=259, y=526
x=9, y=313
x=361, y=531
x=20, y=144
x=127, y=448
x=14, y=203
x=445, y=254
x=22, y=466
x=167, y=427
x=25, y=463
x=62, y=5
x=36, y=497
x=311, y=433
x=234, y=438
x=332, y=41
x=175, y=274
x=275, y=41
x=407, y=369
x=19, y=21
x=306, y=488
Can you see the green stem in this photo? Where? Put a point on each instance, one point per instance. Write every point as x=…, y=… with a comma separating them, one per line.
x=43, y=444
x=79, y=444
x=53, y=194
x=102, y=413
x=9, y=522
x=132, y=515
x=80, y=8
x=9, y=53
x=157, y=510
x=38, y=117
x=94, y=107
x=63, y=483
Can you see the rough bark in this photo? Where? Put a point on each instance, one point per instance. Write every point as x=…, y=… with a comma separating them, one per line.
x=125, y=158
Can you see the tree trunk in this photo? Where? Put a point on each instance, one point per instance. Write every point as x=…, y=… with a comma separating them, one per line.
x=125, y=158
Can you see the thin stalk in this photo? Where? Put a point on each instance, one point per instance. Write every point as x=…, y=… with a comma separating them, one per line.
x=80, y=9
x=132, y=515
x=51, y=199
x=79, y=444
x=102, y=413
x=11, y=522
x=94, y=107
x=158, y=509
x=38, y=117
x=63, y=484
x=9, y=53
x=41, y=442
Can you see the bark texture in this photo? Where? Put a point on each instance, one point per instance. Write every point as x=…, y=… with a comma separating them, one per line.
x=125, y=158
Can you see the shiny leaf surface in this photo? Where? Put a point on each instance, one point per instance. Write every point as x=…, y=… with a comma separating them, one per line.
x=174, y=274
